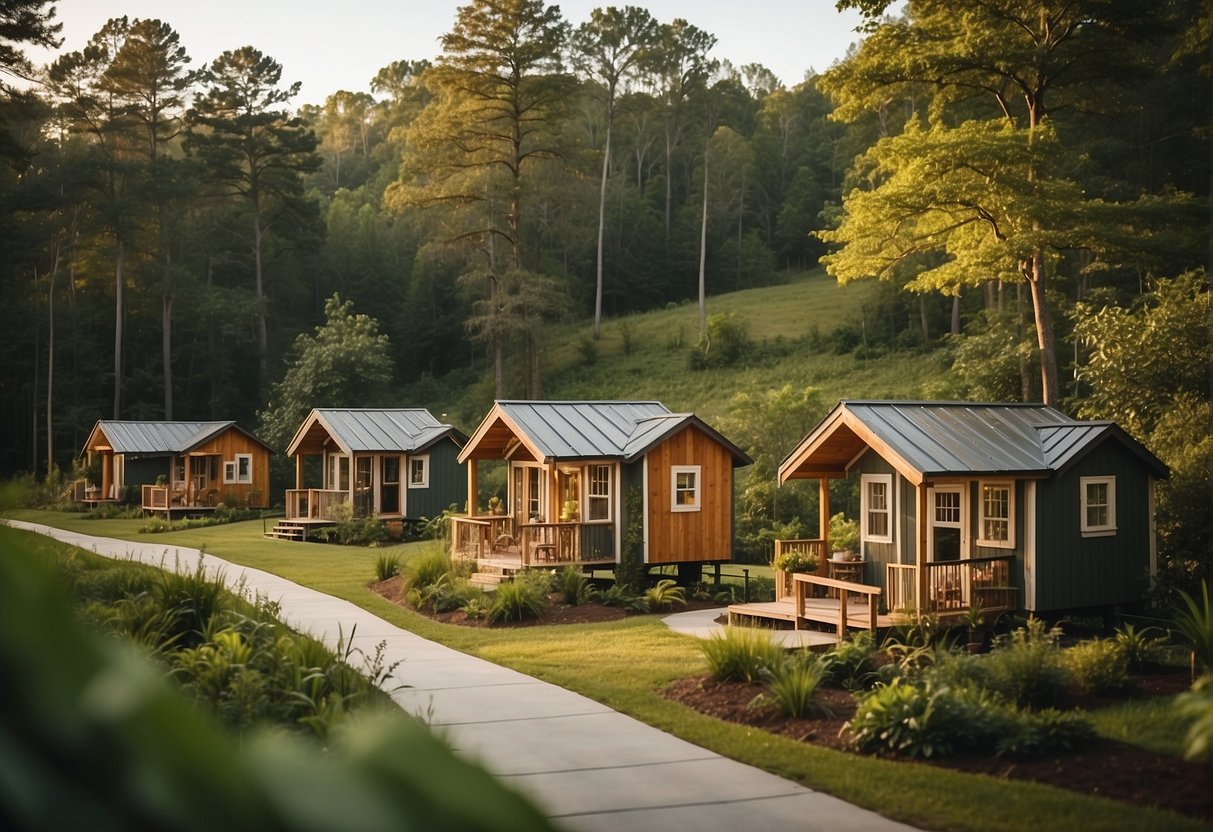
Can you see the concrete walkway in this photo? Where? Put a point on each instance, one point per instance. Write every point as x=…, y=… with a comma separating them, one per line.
x=590, y=768
x=702, y=624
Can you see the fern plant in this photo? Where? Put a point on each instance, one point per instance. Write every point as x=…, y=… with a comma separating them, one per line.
x=664, y=595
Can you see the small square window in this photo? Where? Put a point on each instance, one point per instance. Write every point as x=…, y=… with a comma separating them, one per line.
x=684, y=487
x=419, y=471
x=238, y=470
x=1098, y=506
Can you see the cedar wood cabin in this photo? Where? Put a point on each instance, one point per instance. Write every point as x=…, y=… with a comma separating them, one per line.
x=581, y=474
x=998, y=506
x=179, y=467
x=395, y=464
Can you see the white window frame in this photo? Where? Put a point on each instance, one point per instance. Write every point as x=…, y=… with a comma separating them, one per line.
x=231, y=470
x=995, y=543
x=1104, y=529
x=424, y=482
x=866, y=480
x=696, y=491
x=592, y=498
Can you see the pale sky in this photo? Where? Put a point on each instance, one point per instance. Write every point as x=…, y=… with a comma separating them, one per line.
x=336, y=45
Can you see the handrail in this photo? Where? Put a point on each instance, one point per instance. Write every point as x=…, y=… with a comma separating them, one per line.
x=953, y=586
x=800, y=580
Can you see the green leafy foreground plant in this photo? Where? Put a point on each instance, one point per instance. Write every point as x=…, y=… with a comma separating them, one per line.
x=740, y=654
x=130, y=753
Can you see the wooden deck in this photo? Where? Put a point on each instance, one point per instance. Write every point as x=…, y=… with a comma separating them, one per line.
x=821, y=610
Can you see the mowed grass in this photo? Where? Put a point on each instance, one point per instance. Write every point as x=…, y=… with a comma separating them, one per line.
x=627, y=664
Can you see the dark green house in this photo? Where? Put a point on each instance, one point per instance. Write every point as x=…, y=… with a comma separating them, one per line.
x=395, y=464
x=1000, y=506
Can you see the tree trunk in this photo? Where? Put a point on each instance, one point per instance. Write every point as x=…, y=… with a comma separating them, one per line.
x=956, y=312
x=263, y=366
x=606, y=163
x=922, y=317
x=1025, y=375
x=119, y=280
x=50, y=371
x=1050, y=392
x=166, y=350
x=703, y=253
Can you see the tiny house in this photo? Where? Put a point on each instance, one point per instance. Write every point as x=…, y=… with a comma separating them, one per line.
x=994, y=506
x=178, y=467
x=583, y=476
x=395, y=464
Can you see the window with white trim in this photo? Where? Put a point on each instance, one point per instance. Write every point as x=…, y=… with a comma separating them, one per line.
x=684, y=487
x=1097, y=513
x=599, y=493
x=419, y=471
x=876, y=509
x=238, y=470
x=997, y=515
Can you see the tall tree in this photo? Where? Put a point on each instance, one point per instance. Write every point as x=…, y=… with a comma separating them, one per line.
x=996, y=72
x=259, y=153
x=496, y=90
x=607, y=48
x=149, y=81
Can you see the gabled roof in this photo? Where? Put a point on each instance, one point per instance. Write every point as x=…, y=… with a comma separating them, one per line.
x=933, y=439
x=373, y=430
x=570, y=430
x=160, y=438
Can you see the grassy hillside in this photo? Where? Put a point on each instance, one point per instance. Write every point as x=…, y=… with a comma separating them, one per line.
x=792, y=327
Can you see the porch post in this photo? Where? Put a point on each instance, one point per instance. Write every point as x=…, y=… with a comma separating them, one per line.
x=107, y=474
x=189, y=482
x=920, y=553
x=823, y=525
x=299, y=470
x=472, y=486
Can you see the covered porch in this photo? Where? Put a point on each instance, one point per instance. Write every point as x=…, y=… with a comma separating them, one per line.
x=500, y=541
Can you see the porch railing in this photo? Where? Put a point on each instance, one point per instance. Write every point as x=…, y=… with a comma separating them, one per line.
x=953, y=586
x=802, y=585
x=783, y=580
x=313, y=503
x=531, y=544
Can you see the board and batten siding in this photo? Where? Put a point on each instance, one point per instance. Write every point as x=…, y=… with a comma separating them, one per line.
x=226, y=445
x=448, y=482
x=689, y=536
x=877, y=555
x=1073, y=571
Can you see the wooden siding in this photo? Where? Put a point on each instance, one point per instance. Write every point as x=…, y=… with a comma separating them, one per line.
x=448, y=482
x=226, y=445
x=1073, y=571
x=877, y=555
x=690, y=536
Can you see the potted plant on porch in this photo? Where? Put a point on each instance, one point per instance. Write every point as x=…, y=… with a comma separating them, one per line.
x=792, y=561
x=844, y=539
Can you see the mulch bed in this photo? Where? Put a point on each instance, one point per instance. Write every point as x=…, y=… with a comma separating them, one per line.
x=1108, y=769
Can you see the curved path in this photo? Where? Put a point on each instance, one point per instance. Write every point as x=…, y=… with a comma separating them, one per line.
x=588, y=766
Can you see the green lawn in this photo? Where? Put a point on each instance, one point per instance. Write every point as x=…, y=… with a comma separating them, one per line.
x=626, y=664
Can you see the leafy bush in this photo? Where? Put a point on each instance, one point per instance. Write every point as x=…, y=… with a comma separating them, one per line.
x=447, y=593
x=844, y=533
x=1036, y=733
x=726, y=341
x=795, y=561
x=477, y=606
x=740, y=654
x=355, y=531
x=794, y=683
x=1193, y=625
x=524, y=597
x=910, y=720
x=664, y=595
x=387, y=565
x=1140, y=646
x=187, y=601
x=574, y=585
x=428, y=568
x=1026, y=668
x=849, y=664
x=218, y=517
x=1197, y=706
x=1098, y=666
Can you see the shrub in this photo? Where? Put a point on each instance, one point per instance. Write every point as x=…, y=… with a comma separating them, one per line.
x=1193, y=626
x=1196, y=706
x=574, y=585
x=1097, y=666
x=188, y=600
x=844, y=533
x=1140, y=646
x=795, y=562
x=1027, y=668
x=739, y=654
x=445, y=594
x=664, y=595
x=794, y=683
x=1035, y=733
x=905, y=719
x=477, y=606
x=387, y=565
x=428, y=568
x=849, y=663
x=524, y=597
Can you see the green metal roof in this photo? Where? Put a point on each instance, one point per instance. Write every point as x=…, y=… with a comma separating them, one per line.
x=157, y=438
x=371, y=430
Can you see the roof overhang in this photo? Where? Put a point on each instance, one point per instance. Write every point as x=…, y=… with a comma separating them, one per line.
x=499, y=437
x=679, y=422
x=830, y=449
x=313, y=435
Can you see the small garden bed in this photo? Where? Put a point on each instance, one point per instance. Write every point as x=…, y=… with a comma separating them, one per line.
x=1099, y=766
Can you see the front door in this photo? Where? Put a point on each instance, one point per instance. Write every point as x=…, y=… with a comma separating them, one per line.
x=947, y=523
x=527, y=497
x=389, y=485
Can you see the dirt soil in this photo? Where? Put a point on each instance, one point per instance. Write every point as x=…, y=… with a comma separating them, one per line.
x=1108, y=769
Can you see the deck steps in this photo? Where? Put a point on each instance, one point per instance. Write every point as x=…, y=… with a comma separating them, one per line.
x=491, y=575
x=287, y=531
